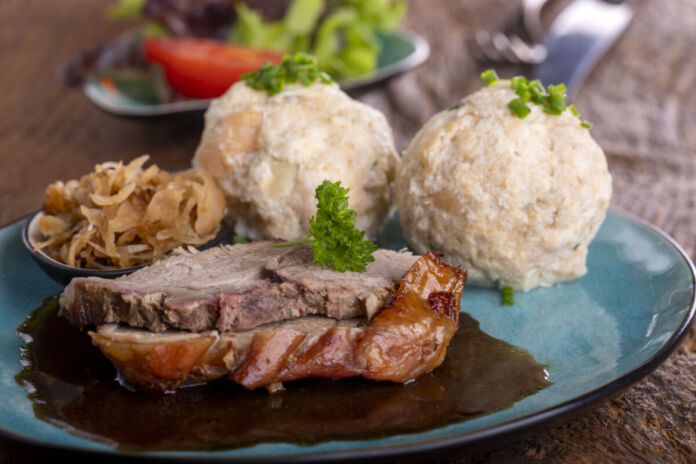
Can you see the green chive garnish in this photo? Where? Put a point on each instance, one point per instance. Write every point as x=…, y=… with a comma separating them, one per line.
x=553, y=99
x=538, y=91
x=524, y=93
x=519, y=108
x=490, y=77
x=518, y=81
x=558, y=103
x=559, y=89
x=549, y=110
x=508, y=295
x=576, y=246
x=299, y=67
x=237, y=239
x=455, y=107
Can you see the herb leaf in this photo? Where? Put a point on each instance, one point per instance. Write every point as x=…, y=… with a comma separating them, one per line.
x=299, y=67
x=519, y=107
x=335, y=240
x=553, y=99
x=508, y=296
x=490, y=77
x=237, y=239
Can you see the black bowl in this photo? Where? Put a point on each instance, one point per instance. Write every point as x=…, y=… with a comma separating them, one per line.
x=63, y=274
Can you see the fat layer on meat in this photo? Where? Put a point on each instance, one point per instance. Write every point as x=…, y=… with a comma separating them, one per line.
x=232, y=288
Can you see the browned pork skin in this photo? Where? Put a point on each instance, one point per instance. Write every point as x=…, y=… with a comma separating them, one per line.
x=406, y=339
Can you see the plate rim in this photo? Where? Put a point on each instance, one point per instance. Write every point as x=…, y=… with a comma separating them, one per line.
x=421, y=52
x=498, y=431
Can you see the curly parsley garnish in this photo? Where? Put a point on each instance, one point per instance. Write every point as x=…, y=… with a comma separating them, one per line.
x=299, y=67
x=335, y=240
x=553, y=99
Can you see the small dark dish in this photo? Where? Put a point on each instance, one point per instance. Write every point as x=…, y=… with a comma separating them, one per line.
x=63, y=274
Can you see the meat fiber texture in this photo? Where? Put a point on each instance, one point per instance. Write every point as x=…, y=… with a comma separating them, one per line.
x=232, y=288
x=405, y=339
x=514, y=201
x=269, y=154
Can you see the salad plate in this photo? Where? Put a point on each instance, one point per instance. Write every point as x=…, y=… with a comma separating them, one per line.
x=400, y=52
x=596, y=335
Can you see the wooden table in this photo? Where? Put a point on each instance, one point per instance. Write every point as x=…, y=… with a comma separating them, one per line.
x=640, y=99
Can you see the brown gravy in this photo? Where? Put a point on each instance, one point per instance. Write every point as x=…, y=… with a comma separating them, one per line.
x=73, y=386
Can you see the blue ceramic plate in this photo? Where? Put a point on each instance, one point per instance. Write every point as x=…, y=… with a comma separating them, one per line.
x=400, y=52
x=597, y=335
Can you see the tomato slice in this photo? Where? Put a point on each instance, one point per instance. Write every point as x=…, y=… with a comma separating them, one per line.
x=202, y=68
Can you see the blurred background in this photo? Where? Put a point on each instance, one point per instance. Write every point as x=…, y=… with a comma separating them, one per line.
x=638, y=95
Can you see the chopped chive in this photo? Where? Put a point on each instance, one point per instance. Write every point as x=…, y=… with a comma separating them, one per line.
x=558, y=103
x=325, y=78
x=490, y=77
x=519, y=108
x=523, y=93
x=237, y=239
x=508, y=295
x=553, y=99
x=559, y=89
x=549, y=110
x=374, y=163
x=537, y=86
x=539, y=99
x=300, y=67
x=576, y=246
x=518, y=81
x=455, y=107
x=539, y=95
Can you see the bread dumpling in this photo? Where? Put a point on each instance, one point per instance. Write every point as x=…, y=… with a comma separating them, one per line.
x=269, y=153
x=515, y=201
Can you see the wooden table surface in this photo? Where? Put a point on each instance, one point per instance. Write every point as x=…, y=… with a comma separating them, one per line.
x=639, y=98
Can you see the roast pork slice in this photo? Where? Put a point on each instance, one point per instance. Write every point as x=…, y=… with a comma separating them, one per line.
x=232, y=288
x=336, y=291
x=405, y=339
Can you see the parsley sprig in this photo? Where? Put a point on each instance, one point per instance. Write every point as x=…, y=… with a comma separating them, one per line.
x=335, y=240
x=553, y=99
x=299, y=67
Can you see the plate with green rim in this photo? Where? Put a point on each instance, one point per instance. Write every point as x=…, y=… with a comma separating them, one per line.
x=597, y=336
x=400, y=52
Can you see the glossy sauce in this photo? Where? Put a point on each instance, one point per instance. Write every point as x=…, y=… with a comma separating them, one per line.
x=73, y=386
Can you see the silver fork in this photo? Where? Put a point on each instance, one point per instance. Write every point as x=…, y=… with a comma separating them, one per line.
x=497, y=47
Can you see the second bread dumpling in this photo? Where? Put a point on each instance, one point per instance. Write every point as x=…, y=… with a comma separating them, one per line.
x=269, y=153
x=513, y=200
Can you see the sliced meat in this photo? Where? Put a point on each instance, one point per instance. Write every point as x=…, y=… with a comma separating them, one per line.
x=336, y=291
x=233, y=288
x=406, y=339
